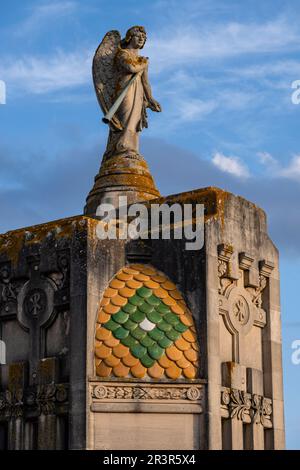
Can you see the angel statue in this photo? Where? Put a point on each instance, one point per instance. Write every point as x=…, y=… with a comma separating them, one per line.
x=123, y=90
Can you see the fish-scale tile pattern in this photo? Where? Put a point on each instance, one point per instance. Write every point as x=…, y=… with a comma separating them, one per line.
x=144, y=328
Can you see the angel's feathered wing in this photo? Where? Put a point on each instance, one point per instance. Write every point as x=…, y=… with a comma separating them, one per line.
x=104, y=75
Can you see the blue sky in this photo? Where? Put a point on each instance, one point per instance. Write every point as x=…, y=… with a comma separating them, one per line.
x=222, y=71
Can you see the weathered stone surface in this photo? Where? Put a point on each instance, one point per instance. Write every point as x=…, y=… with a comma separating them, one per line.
x=52, y=280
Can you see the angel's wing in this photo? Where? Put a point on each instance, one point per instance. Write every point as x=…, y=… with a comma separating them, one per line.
x=104, y=75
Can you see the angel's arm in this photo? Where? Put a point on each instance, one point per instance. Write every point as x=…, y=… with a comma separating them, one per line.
x=146, y=84
x=152, y=103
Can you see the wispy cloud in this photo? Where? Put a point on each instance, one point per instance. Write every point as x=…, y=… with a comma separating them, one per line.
x=292, y=171
x=266, y=158
x=186, y=45
x=43, y=13
x=231, y=165
x=38, y=75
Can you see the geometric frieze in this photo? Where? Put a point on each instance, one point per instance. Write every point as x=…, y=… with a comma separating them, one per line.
x=147, y=392
x=148, y=397
x=144, y=328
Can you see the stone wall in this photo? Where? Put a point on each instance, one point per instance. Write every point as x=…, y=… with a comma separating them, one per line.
x=71, y=382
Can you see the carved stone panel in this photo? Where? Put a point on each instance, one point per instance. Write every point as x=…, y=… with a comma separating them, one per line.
x=240, y=296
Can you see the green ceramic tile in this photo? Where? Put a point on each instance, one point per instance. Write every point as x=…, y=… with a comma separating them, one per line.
x=144, y=292
x=138, y=333
x=111, y=325
x=147, y=361
x=156, y=334
x=121, y=333
x=130, y=325
x=120, y=317
x=138, y=351
x=155, y=351
x=173, y=334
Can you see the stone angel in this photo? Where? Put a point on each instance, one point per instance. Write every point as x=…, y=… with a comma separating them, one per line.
x=123, y=90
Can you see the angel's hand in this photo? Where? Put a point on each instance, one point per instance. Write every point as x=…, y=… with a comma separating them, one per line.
x=154, y=105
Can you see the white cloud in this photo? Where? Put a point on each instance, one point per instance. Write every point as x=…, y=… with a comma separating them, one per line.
x=292, y=171
x=231, y=165
x=266, y=158
x=185, y=45
x=44, y=13
x=38, y=75
x=195, y=109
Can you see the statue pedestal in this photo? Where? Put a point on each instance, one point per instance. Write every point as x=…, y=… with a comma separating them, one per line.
x=213, y=375
x=121, y=176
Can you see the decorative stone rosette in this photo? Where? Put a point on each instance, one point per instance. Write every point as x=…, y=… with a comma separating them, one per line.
x=144, y=328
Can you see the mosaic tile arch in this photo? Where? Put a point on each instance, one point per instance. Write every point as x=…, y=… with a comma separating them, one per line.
x=144, y=328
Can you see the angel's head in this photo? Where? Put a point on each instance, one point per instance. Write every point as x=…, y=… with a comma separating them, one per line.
x=135, y=37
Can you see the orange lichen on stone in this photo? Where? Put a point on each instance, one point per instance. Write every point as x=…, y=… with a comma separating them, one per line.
x=12, y=242
x=142, y=330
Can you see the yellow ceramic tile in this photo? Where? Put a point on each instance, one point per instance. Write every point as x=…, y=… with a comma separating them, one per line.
x=103, y=351
x=117, y=284
x=175, y=295
x=102, y=370
x=103, y=317
x=177, y=309
x=156, y=371
x=127, y=292
x=158, y=278
x=182, y=344
x=111, y=309
x=183, y=363
x=161, y=293
x=104, y=301
x=109, y=292
x=141, y=277
x=130, y=270
x=190, y=372
x=189, y=336
x=186, y=319
x=138, y=371
x=119, y=301
x=148, y=271
x=169, y=301
x=168, y=285
x=112, y=342
x=102, y=334
x=191, y=354
x=133, y=284
x=120, y=350
x=151, y=284
x=165, y=362
x=120, y=370
x=173, y=353
x=124, y=277
x=130, y=360
x=137, y=267
x=173, y=372
x=112, y=361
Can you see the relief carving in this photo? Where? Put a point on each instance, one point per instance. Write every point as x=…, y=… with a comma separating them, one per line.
x=241, y=294
x=246, y=407
x=42, y=399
